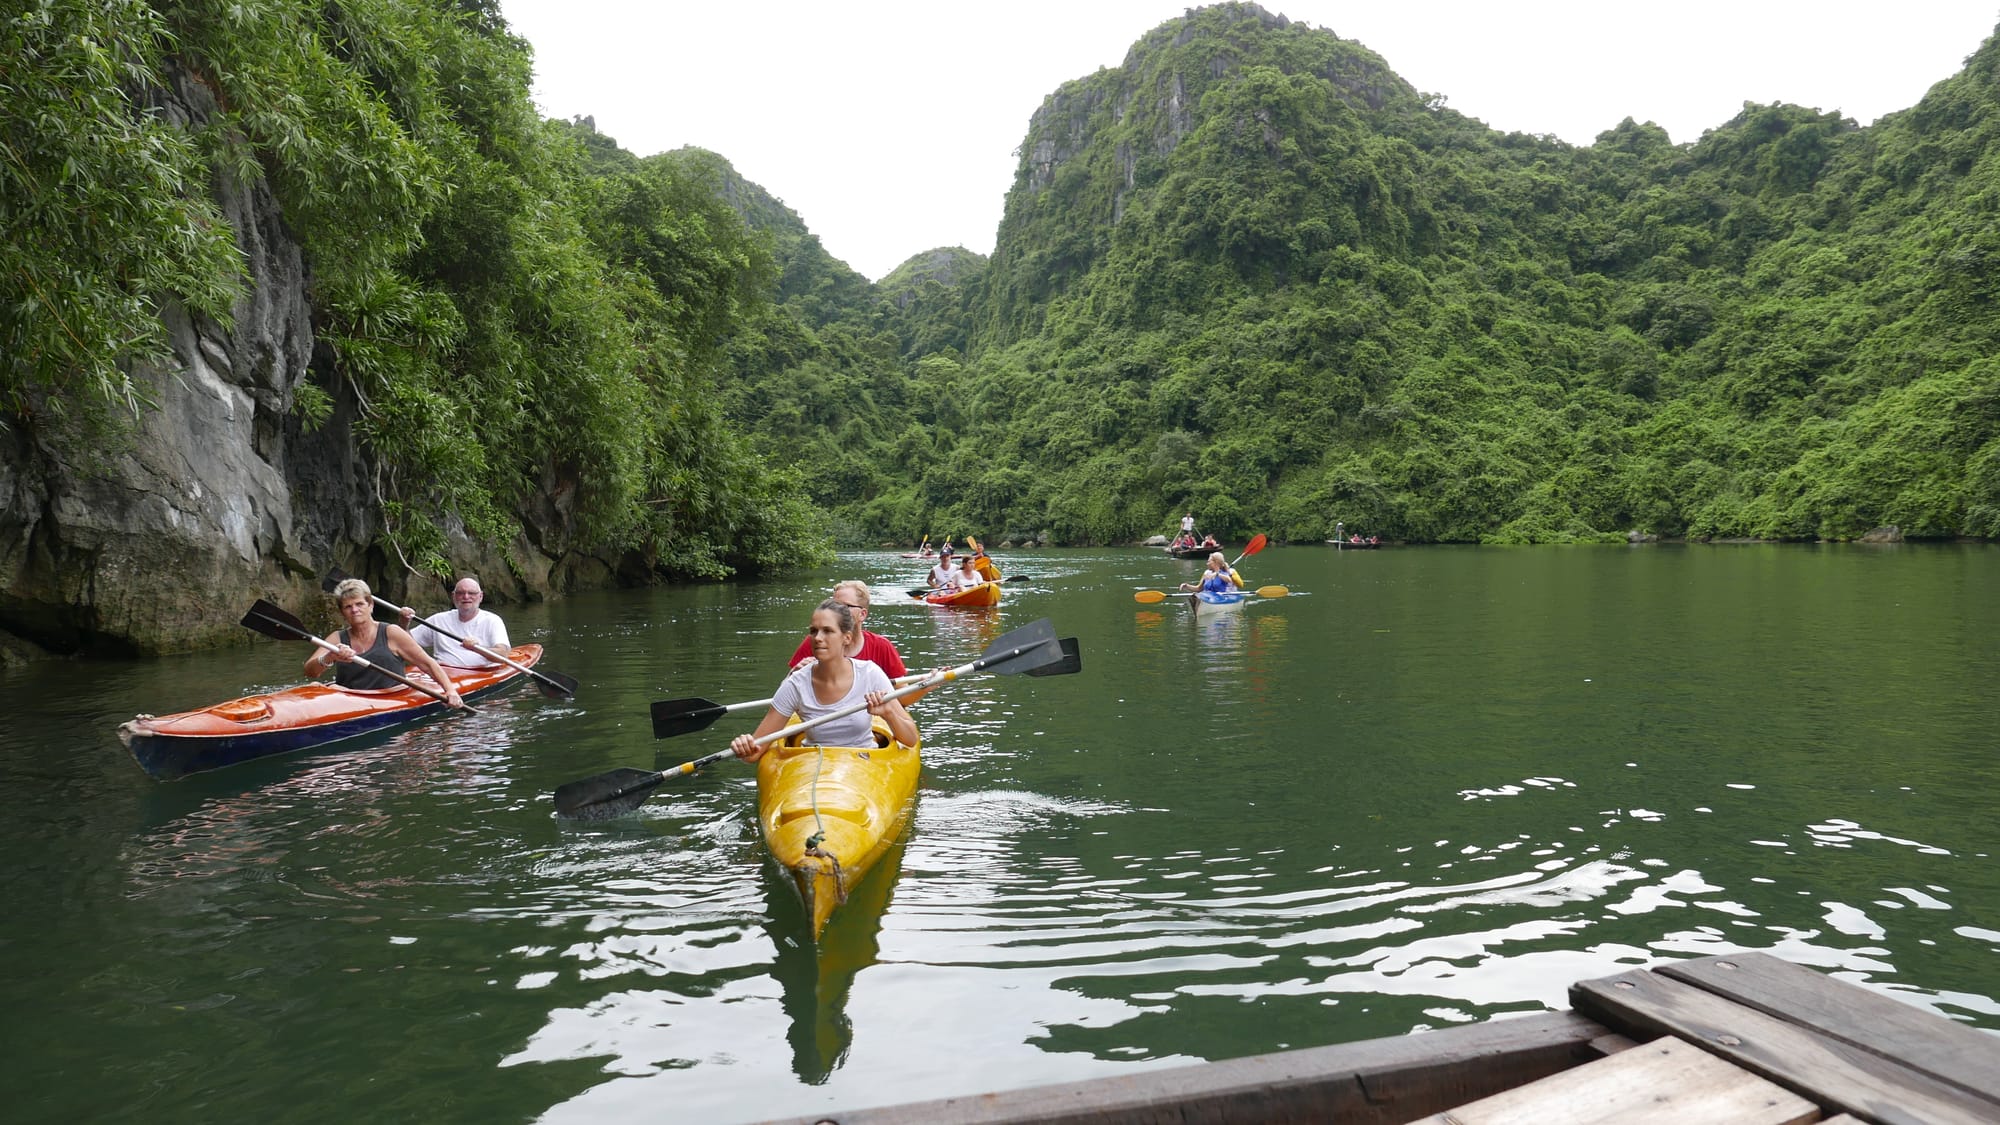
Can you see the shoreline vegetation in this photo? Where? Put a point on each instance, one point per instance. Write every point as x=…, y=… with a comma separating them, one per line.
x=1302, y=287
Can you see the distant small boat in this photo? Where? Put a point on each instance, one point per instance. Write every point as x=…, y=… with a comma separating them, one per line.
x=1195, y=552
x=1356, y=544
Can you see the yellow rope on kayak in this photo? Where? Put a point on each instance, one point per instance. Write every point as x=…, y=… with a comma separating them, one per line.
x=819, y=831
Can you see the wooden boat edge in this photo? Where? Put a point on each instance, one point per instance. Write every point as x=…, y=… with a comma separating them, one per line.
x=1782, y=1038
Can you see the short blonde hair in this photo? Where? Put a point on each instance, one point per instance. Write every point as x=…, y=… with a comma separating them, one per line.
x=854, y=586
x=352, y=588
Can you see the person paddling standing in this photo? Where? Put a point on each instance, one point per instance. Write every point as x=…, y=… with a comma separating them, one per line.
x=381, y=645
x=832, y=681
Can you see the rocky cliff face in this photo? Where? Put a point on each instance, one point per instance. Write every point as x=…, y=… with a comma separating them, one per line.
x=159, y=542
x=1102, y=145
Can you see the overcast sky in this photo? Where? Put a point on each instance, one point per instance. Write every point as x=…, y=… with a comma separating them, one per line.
x=890, y=126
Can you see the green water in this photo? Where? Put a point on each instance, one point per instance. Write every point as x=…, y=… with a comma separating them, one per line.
x=1431, y=786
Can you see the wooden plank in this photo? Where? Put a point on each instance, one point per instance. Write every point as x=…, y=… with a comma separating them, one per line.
x=1665, y=1082
x=1612, y=1044
x=1372, y=1082
x=1925, y=1041
x=1834, y=1074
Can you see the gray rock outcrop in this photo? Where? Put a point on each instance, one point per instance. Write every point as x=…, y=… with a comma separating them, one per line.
x=159, y=541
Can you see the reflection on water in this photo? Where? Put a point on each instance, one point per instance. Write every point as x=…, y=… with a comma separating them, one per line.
x=1431, y=787
x=816, y=979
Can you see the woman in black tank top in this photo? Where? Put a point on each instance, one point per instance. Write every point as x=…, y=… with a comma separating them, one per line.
x=379, y=643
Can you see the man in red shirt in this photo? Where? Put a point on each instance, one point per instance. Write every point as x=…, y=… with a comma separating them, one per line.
x=875, y=648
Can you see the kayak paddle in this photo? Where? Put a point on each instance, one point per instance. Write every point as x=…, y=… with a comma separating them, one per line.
x=623, y=790
x=673, y=717
x=1154, y=597
x=1255, y=545
x=277, y=624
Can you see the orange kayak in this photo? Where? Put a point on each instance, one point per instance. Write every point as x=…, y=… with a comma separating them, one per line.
x=279, y=722
x=984, y=594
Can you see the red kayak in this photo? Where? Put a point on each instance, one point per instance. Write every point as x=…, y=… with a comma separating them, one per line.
x=258, y=726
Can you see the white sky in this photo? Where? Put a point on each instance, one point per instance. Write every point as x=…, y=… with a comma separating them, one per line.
x=890, y=126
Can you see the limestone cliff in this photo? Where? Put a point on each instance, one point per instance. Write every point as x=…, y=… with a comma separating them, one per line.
x=159, y=542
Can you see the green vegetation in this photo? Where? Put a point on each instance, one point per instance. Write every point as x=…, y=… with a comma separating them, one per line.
x=1300, y=291
x=529, y=324
x=1250, y=271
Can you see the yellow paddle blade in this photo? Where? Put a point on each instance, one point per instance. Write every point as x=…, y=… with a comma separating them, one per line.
x=1150, y=597
x=1272, y=591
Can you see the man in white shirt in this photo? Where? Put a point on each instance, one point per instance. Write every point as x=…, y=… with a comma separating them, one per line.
x=467, y=620
x=942, y=574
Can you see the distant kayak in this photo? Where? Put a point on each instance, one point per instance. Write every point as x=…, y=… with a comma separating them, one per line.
x=983, y=594
x=1210, y=601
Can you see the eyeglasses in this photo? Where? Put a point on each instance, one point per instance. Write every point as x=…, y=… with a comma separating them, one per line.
x=852, y=605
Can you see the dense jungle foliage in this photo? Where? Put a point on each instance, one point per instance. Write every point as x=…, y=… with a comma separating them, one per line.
x=1249, y=271
x=476, y=271
x=1252, y=272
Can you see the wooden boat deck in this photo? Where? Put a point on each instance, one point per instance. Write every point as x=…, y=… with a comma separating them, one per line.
x=1746, y=1038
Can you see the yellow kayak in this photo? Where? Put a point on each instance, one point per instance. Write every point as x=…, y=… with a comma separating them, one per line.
x=830, y=813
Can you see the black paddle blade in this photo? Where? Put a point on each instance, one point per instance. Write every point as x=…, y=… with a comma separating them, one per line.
x=1017, y=578
x=1070, y=664
x=1029, y=647
x=607, y=795
x=333, y=577
x=274, y=622
x=553, y=685
x=685, y=716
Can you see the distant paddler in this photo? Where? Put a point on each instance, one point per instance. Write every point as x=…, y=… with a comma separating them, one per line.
x=942, y=574
x=988, y=570
x=968, y=571
x=1217, y=577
